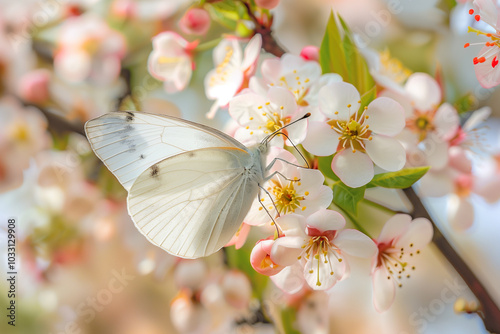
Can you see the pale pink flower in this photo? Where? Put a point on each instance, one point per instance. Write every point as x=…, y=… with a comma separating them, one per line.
x=196, y=21
x=301, y=77
x=358, y=139
x=238, y=240
x=302, y=192
x=319, y=245
x=233, y=68
x=89, y=50
x=34, y=86
x=260, y=258
x=260, y=115
x=486, y=63
x=171, y=61
x=400, y=240
x=310, y=52
x=430, y=125
x=387, y=71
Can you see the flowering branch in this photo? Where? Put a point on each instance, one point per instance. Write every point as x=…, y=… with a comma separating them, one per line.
x=488, y=310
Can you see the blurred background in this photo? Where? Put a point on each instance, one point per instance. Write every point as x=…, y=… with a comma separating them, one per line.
x=82, y=265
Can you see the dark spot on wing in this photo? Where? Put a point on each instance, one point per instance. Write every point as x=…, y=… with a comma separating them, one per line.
x=142, y=156
x=190, y=154
x=130, y=116
x=155, y=170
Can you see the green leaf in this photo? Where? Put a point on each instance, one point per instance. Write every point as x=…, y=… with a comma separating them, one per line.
x=339, y=54
x=398, y=180
x=325, y=166
x=347, y=198
x=288, y=320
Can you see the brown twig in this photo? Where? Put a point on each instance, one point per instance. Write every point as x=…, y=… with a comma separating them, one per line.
x=489, y=311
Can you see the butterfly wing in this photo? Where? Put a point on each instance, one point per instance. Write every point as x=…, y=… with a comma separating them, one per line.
x=130, y=142
x=193, y=203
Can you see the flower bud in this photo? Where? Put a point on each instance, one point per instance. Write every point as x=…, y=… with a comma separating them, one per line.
x=260, y=258
x=196, y=21
x=267, y=4
x=34, y=86
x=310, y=52
x=237, y=289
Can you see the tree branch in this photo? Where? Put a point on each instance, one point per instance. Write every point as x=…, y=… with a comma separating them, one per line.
x=489, y=311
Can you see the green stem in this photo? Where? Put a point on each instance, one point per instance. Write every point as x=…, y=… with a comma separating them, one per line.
x=356, y=224
x=378, y=206
x=208, y=45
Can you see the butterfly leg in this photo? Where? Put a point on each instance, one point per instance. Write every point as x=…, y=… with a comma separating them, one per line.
x=280, y=174
x=268, y=168
x=269, y=214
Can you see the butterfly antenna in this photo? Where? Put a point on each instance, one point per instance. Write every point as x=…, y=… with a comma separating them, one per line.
x=271, y=136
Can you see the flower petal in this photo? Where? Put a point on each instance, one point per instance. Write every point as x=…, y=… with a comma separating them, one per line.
x=418, y=235
x=355, y=243
x=321, y=139
x=384, y=290
x=460, y=213
x=446, y=121
x=252, y=51
x=479, y=116
x=322, y=276
x=436, y=183
x=292, y=225
x=339, y=100
x=326, y=220
x=354, y=169
x=394, y=228
x=436, y=152
x=487, y=73
x=386, y=116
x=424, y=91
x=282, y=97
x=386, y=152
x=286, y=250
x=290, y=279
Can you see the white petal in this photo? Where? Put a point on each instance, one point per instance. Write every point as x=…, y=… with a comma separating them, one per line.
x=479, y=116
x=354, y=169
x=355, y=243
x=286, y=250
x=436, y=152
x=271, y=69
x=459, y=160
x=424, y=91
x=244, y=107
x=290, y=279
x=402, y=98
x=487, y=75
x=460, y=213
x=386, y=152
x=418, y=235
x=339, y=100
x=322, y=276
x=446, y=121
x=230, y=48
x=282, y=97
x=386, y=116
x=252, y=51
x=394, y=228
x=488, y=11
x=321, y=139
x=292, y=225
x=384, y=290
x=326, y=220
x=436, y=183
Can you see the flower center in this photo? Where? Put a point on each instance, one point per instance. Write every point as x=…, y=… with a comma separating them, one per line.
x=393, y=260
x=353, y=132
x=421, y=124
x=299, y=86
x=222, y=70
x=20, y=132
x=320, y=249
x=286, y=198
x=393, y=68
x=273, y=118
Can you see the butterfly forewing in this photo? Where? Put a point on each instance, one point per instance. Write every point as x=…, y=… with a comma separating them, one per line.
x=193, y=203
x=130, y=142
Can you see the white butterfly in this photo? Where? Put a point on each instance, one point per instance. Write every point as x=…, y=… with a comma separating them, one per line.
x=189, y=186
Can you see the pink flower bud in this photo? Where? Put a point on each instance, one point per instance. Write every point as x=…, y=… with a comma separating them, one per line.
x=267, y=4
x=124, y=8
x=195, y=21
x=310, y=52
x=260, y=258
x=34, y=86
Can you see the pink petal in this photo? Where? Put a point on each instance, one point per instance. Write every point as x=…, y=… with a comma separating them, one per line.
x=394, y=228
x=252, y=52
x=417, y=236
x=286, y=250
x=487, y=74
x=459, y=160
x=339, y=100
x=436, y=152
x=386, y=116
x=424, y=91
x=326, y=220
x=244, y=107
x=292, y=225
x=282, y=97
x=354, y=169
x=384, y=290
x=436, y=183
x=321, y=139
x=355, y=243
x=488, y=11
x=446, y=121
x=290, y=279
x=386, y=152
x=460, y=213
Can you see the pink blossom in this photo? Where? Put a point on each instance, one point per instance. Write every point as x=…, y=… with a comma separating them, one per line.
x=260, y=258
x=89, y=50
x=310, y=52
x=171, y=61
x=486, y=62
x=34, y=86
x=238, y=240
x=319, y=246
x=400, y=240
x=358, y=139
x=196, y=21
x=267, y=4
x=232, y=70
